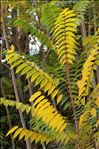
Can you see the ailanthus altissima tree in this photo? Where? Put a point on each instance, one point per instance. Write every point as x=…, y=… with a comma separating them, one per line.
x=68, y=88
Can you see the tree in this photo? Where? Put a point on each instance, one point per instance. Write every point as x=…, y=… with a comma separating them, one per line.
x=65, y=100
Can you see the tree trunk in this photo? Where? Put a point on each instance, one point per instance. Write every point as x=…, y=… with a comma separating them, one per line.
x=12, y=72
x=20, y=90
x=83, y=30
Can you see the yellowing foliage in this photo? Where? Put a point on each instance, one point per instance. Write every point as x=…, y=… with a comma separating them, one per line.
x=43, y=108
x=93, y=112
x=86, y=73
x=47, y=84
x=65, y=42
x=28, y=134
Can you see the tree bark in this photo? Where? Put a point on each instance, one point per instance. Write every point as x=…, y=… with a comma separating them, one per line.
x=12, y=71
x=83, y=30
x=20, y=90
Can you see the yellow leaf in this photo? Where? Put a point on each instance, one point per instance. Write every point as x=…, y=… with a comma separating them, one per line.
x=21, y=67
x=43, y=83
x=41, y=109
x=70, y=24
x=93, y=112
x=49, y=117
x=97, y=102
x=55, y=120
x=28, y=135
x=61, y=47
x=70, y=56
x=34, y=76
x=18, y=104
x=38, y=100
x=14, y=58
x=70, y=33
x=63, y=127
x=30, y=73
x=70, y=29
x=33, y=137
x=12, y=130
x=39, y=80
x=97, y=62
x=9, y=56
x=38, y=138
x=83, y=101
x=62, y=38
x=97, y=124
x=55, y=93
x=51, y=90
x=71, y=51
x=71, y=20
x=82, y=90
x=40, y=104
x=67, y=13
x=70, y=61
x=22, y=134
x=28, y=108
x=78, y=83
x=22, y=107
x=47, y=86
x=25, y=70
x=16, y=63
x=63, y=52
x=12, y=47
x=83, y=118
x=17, y=132
x=34, y=96
x=10, y=60
x=61, y=35
x=59, y=98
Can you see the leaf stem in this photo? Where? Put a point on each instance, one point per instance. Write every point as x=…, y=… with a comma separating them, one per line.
x=73, y=106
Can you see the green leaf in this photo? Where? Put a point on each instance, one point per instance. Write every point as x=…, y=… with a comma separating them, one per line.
x=34, y=76
x=28, y=108
x=38, y=80
x=30, y=73
x=16, y=63
x=21, y=67
x=25, y=70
